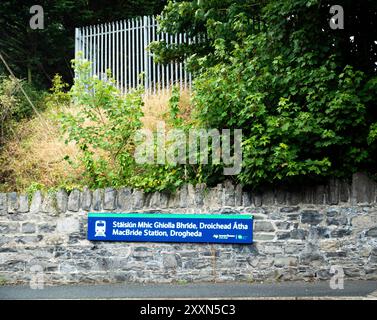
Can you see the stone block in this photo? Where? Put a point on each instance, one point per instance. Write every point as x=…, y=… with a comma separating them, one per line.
x=228, y=196
x=298, y=234
x=86, y=199
x=138, y=199
x=238, y=195
x=246, y=199
x=74, y=200
x=372, y=232
x=281, y=197
x=62, y=200
x=124, y=199
x=363, y=188
x=28, y=228
x=319, y=195
x=67, y=225
x=257, y=199
x=23, y=203
x=3, y=204
x=282, y=261
x=98, y=200
x=332, y=194
x=294, y=197
x=109, y=199
x=12, y=202
x=263, y=226
x=344, y=191
x=268, y=198
x=289, y=209
x=200, y=190
x=154, y=201
x=36, y=202
x=312, y=217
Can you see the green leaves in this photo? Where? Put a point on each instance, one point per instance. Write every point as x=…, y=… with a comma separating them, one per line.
x=301, y=115
x=103, y=126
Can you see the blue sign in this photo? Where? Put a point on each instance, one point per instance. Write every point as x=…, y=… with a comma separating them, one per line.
x=138, y=227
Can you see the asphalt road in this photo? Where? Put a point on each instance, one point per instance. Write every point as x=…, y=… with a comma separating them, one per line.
x=351, y=289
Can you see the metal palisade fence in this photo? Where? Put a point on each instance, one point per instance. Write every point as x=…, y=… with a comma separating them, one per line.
x=122, y=48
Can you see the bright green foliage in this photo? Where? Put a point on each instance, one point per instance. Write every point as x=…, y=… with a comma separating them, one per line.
x=303, y=94
x=103, y=127
x=58, y=97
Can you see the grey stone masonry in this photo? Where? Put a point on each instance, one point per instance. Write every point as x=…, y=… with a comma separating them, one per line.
x=109, y=199
x=23, y=203
x=74, y=200
x=3, y=204
x=12, y=202
x=298, y=235
x=62, y=200
x=86, y=199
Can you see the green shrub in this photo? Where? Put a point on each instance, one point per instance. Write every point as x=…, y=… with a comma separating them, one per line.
x=303, y=94
x=102, y=125
x=301, y=118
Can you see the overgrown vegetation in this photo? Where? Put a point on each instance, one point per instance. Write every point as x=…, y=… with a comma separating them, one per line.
x=304, y=96
x=14, y=107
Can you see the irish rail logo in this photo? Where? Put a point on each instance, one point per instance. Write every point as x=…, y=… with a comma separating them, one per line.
x=100, y=228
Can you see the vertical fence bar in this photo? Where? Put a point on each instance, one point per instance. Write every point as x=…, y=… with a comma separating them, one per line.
x=106, y=56
x=137, y=51
x=95, y=50
x=87, y=44
x=120, y=56
x=133, y=47
x=117, y=53
x=163, y=68
x=189, y=75
x=167, y=69
x=145, y=44
x=122, y=47
x=83, y=42
x=123, y=42
x=113, y=50
x=152, y=57
x=150, y=65
x=185, y=65
x=76, y=41
x=171, y=78
x=149, y=55
x=102, y=49
x=180, y=66
x=90, y=49
x=175, y=62
x=129, y=54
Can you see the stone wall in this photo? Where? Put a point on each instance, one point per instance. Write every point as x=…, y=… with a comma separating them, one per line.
x=299, y=235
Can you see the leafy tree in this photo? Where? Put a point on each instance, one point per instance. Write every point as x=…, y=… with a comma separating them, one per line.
x=37, y=55
x=304, y=94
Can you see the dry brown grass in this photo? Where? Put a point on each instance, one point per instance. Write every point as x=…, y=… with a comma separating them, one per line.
x=157, y=106
x=36, y=153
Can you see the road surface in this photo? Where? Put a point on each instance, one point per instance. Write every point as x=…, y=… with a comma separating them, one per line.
x=352, y=289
